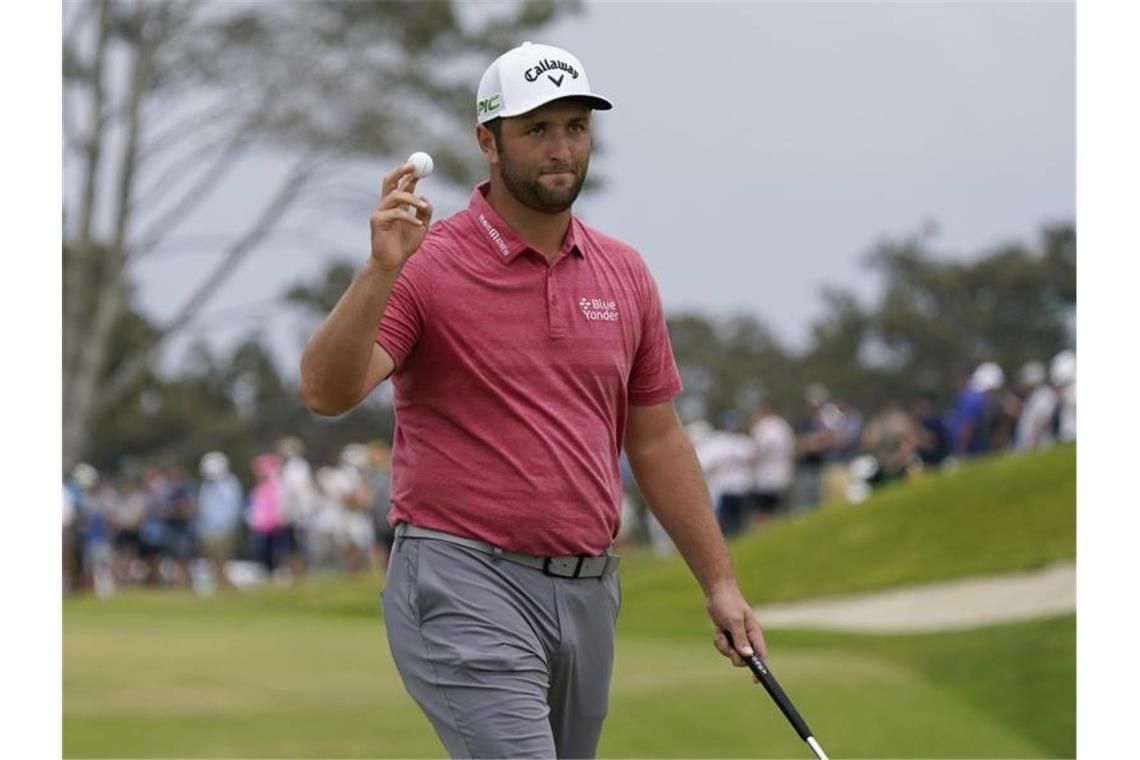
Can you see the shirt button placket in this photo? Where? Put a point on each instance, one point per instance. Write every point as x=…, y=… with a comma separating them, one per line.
x=553, y=313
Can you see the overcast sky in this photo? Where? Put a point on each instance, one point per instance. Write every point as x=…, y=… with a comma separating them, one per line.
x=757, y=151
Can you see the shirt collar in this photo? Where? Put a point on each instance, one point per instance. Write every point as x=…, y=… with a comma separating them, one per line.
x=501, y=239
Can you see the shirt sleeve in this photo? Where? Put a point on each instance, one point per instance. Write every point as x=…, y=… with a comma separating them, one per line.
x=654, y=377
x=402, y=321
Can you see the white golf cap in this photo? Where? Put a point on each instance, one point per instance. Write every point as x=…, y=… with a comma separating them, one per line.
x=214, y=464
x=987, y=377
x=526, y=77
x=1063, y=368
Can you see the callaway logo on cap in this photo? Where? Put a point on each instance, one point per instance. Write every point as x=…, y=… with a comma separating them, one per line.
x=522, y=79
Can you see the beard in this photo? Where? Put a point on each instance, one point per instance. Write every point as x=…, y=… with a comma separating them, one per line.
x=527, y=188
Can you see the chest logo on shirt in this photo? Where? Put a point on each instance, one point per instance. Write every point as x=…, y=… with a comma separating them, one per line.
x=598, y=309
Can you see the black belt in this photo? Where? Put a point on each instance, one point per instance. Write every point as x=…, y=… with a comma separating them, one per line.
x=572, y=566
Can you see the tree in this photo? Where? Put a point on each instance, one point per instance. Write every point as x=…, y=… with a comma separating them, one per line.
x=936, y=318
x=728, y=363
x=163, y=99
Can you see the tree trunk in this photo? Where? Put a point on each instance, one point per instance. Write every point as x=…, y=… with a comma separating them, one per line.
x=79, y=265
x=110, y=298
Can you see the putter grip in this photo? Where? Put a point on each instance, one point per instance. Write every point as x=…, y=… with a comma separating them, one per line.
x=772, y=686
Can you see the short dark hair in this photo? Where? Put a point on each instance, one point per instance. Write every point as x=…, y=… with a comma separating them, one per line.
x=495, y=126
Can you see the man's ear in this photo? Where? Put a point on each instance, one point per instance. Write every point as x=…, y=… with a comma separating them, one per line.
x=486, y=140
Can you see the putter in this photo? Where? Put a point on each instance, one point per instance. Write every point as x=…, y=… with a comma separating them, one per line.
x=772, y=686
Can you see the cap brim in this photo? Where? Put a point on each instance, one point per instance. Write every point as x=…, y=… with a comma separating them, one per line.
x=596, y=102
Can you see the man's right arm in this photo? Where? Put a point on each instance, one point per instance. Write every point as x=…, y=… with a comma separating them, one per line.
x=342, y=362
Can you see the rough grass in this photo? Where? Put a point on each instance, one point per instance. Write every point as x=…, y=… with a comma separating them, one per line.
x=992, y=516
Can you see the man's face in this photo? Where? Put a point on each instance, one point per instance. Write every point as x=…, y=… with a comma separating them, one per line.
x=544, y=155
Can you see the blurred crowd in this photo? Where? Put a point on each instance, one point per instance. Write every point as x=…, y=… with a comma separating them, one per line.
x=163, y=526
x=761, y=464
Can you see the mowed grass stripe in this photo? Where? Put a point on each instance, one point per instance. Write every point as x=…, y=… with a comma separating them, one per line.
x=227, y=669
x=922, y=696
x=382, y=730
x=858, y=706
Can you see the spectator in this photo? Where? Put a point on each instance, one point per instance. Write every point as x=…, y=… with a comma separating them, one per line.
x=812, y=440
x=774, y=462
x=1063, y=373
x=325, y=527
x=844, y=426
x=93, y=529
x=933, y=435
x=357, y=498
x=180, y=511
x=219, y=513
x=70, y=541
x=729, y=461
x=1035, y=423
x=891, y=437
x=969, y=421
x=298, y=502
x=1005, y=410
x=265, y=514
x=126, y=516
x=990, y=380
x=153, y=531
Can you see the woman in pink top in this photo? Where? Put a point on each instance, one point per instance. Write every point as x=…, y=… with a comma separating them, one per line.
x=265, y=511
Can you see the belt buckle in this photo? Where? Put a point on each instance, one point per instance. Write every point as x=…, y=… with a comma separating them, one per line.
x=577, y=567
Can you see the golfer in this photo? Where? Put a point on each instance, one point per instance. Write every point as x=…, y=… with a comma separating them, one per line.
x=525, y=348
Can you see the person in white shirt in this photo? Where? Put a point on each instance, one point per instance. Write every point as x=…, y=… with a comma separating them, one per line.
x=1063, y=373
x=775, y=460
x=728, y=454
x=1035, y=423
x=298, y=494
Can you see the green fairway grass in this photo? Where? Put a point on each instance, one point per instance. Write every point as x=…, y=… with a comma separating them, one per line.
x=314, y=687
x=305, y=671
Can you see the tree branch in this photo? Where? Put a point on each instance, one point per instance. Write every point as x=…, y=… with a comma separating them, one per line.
x=193, y=197
x=290, y=190
x=207, y=243
x=157, y=188
x=188, y=126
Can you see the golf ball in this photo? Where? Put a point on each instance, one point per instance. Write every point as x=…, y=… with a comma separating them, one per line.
x=422, y=163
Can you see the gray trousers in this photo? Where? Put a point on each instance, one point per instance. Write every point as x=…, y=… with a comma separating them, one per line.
x=504, y=660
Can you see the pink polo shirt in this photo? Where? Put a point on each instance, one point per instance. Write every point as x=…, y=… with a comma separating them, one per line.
x=513, y=382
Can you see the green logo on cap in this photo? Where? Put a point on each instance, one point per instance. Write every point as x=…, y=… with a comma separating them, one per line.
x=493, y=103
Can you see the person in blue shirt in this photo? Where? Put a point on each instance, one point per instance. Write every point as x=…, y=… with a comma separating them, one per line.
x=219, y=512
x=969, y=421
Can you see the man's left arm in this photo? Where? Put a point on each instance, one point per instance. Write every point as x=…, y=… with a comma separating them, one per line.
x=670, y=479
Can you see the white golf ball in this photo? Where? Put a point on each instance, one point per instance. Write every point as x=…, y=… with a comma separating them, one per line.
x=422, y=164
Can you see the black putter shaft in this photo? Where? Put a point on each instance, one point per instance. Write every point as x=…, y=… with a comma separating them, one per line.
x=776, y=692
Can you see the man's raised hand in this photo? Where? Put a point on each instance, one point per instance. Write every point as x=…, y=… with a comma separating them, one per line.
x=400, y=219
